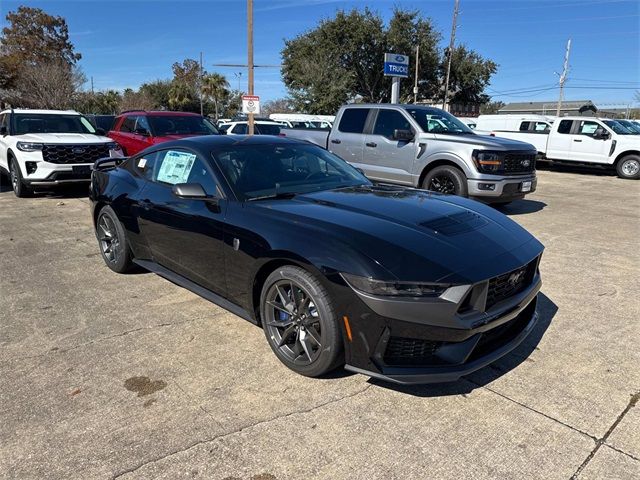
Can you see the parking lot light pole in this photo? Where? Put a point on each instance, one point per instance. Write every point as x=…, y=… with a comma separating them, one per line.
x=250, y=57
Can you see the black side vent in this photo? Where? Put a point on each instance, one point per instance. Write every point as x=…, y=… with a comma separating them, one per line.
x=456, y=224
x=410, y=351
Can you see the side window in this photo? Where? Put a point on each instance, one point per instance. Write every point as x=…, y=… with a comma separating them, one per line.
x=565, y=126
x=524, y=126
x=179, y=166
x=353, y=120
x=142, y=122
x=240, y=129
x=145, y=165
x=4, y=121
x=542, y=127
x=588, y=128
x=129, y=124
x=388, y=121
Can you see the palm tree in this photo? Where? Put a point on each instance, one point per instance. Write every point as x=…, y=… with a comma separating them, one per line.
x=179, y=95
x=215, y=87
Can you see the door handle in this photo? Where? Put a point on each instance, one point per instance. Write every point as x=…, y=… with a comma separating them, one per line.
x=335, y=140
x=371, y=144
x=576, y=140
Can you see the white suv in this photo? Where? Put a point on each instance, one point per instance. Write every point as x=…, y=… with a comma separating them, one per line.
x=49, y=147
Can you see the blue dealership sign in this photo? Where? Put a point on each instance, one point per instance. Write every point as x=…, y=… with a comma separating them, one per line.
x=396, y=65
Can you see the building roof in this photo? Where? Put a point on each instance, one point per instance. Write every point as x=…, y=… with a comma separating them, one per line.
x=548, y=106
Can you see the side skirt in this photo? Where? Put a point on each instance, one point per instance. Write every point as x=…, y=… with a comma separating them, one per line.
x=195, y=288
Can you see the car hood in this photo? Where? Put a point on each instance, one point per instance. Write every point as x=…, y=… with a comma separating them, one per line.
x=414, y=235
x=168, y=138
x=63, y=138
x=487, y=141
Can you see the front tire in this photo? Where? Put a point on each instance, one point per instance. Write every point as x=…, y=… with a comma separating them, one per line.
x=446, y=179
x=113, y=242
x=628, y=167
x=299, y=322
x=20, y=189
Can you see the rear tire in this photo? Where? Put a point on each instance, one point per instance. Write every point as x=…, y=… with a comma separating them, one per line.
x=300, y=322
x=20, y=189
x=446, y=179
x=113, y=242
x=628, y=167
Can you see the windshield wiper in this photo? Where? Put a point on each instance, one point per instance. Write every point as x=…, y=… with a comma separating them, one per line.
x=273, y=196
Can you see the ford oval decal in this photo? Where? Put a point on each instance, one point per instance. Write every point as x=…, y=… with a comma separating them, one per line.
x=399, y=58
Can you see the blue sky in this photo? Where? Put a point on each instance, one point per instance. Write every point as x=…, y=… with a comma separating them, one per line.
x=125, y=43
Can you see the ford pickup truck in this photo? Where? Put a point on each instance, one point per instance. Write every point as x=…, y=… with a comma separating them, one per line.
x=427, y=148
x=585, y=141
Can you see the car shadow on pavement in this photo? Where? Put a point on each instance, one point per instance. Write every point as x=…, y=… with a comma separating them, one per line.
x=546, y=311
x=519, y=207
x=580, y=170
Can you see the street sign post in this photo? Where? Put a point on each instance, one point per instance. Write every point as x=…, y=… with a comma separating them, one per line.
x=396, y=66
x=251, y=104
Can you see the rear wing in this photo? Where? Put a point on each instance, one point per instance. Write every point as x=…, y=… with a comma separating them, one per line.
x=108, y=163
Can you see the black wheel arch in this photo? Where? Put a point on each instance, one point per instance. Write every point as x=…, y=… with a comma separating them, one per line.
x=437, y=163
x=624, y=154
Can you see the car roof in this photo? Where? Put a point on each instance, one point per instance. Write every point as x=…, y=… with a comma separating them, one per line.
x=159, y=113
x=211, y=141
x=41, y=112
x=262, y=122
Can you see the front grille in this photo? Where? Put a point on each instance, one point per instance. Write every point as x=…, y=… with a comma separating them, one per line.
x=67, y=154
x=411, y=351
x=519, y=162
x=508, y=284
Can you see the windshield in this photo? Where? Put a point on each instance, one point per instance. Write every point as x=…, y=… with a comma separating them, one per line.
x=634, y=127
x=24, y=123
x=265, y=170
x=163, y=125
x=618, y=127
x=434, y=120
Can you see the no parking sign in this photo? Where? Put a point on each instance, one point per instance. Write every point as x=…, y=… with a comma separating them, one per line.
x=250, y=104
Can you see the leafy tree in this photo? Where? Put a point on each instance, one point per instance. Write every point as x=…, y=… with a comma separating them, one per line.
x=279, y=105
x=470, y=74
x=231, y=104
x=215, y=87
x=158, y=90
x=341, y=60
x=185, y=86
x=32, y=37
x=491, y=107
x=101, y=103
x=132, y=100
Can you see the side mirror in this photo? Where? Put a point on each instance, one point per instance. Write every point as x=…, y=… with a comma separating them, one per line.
x=601, y=135
x=403, y=135
x=100, y=131
x=189, y=190
x=142, y=131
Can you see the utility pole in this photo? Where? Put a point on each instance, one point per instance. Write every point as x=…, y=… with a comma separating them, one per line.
x=250, y=56
x=563, y=76
x=91, y=84
x=201, y=85
x=451, y=44
x=415, y=84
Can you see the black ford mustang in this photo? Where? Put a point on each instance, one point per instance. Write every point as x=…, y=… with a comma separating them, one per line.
x=400, y=284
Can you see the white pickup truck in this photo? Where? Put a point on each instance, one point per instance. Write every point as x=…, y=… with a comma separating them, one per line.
x=585, y=141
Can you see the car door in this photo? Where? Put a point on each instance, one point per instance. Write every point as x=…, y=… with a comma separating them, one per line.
x=347, y=140
x=559, y=142
x=185, y=235
x=123, y=134
x=588, y=143
x=141, y=137
x=387, y=158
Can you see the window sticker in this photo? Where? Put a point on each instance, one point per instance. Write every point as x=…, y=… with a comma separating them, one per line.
x=176, y=167
x=142, y=162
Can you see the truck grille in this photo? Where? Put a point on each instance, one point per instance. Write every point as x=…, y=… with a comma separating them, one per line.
x=519, y=162
x=510, y=283
x=67, y=154
x=410, y=351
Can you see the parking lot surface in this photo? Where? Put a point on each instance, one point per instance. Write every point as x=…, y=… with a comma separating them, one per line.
x=129, y=376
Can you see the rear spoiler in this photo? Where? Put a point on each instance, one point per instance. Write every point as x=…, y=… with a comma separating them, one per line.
x=108, y=163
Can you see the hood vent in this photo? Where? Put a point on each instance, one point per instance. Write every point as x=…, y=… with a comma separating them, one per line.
x=456, y=224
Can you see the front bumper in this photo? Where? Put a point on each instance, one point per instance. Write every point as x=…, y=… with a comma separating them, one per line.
x=442, y=340
x=502, y=189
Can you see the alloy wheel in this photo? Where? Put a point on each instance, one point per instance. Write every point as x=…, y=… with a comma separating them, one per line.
x=442, y=184
x=293, y=322
x=108, y=237
x=14, y=177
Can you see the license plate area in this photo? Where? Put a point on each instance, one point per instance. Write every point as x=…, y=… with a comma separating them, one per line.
x=81, y=169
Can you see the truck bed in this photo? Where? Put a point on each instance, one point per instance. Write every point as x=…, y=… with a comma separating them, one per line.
x=317, y=136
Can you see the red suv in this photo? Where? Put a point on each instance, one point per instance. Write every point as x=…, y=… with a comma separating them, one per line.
x=138, y=129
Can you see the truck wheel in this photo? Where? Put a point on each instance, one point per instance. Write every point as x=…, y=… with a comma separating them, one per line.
x=629, y=167
x=446, y=179
x=19, y=187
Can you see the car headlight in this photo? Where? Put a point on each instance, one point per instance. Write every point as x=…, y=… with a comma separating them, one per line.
x=393, y=289
x=29, y=146
x=487, y=161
